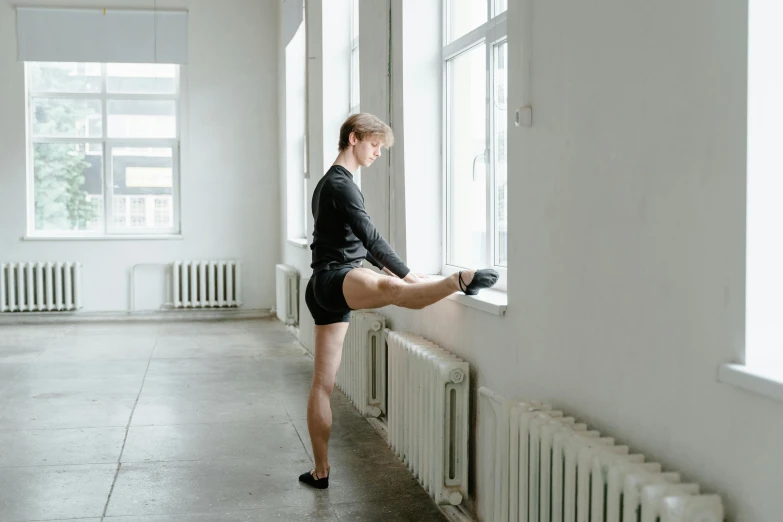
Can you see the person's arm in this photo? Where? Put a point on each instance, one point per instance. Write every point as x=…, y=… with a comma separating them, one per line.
x=349, y=200
x=374, y=262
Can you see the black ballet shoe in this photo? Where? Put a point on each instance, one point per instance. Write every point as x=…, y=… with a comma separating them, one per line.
x=484, y=278
x=311, y=479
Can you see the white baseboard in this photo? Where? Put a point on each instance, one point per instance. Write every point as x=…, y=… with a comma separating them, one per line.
x=380, y=426
x=162, y=315
x=456, y=514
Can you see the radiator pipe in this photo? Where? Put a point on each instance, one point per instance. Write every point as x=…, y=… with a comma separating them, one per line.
x=133, y=283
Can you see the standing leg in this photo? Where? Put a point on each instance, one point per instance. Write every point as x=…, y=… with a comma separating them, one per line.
x=328, y=352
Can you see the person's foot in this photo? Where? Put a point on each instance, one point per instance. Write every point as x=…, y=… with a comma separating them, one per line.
x=311, y=478
x=471, y=281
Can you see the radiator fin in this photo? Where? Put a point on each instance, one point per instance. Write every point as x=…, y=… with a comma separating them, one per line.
x=40, y=287
x=428, y=414
x=287, y=295
x=362, y=372
x=536, y=464
x=206, y=284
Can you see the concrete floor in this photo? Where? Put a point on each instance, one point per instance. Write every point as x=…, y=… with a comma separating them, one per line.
x=180, y=422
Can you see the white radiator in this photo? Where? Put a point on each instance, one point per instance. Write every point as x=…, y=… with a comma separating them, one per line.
x=287, y=278
x=428, y=414
x=535, y=464
x=206, y=284
x=362, y=373
x=40, y=287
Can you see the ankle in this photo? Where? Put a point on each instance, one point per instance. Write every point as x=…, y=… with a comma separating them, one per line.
x=467, y=278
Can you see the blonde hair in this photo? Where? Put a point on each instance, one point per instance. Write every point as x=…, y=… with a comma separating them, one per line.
x=365, y=126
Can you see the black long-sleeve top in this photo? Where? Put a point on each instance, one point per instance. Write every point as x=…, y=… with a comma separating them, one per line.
x=344, y=234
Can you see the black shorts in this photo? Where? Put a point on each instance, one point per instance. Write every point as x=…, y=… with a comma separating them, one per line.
x=325, y=299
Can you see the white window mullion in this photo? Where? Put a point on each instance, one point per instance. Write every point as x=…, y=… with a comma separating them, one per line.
x=445, y=173
x=467, y=41
x=107, y=174
x=30, y=159
x=149, y=211
x=177, y=114
x=489, y=151
x=96, y=95
x=176, y=220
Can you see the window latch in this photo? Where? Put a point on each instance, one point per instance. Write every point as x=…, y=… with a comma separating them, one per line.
x=485, y=156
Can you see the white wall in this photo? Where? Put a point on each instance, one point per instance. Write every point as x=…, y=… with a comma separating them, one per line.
x=417, y=118
x=328, y=93
x=229, y=159
x=627, y=237
x=374, y=16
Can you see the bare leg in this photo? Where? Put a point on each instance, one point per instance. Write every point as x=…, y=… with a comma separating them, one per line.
x=364, y=289
x=328, y=352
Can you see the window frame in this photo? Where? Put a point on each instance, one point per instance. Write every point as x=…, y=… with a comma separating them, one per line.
x=107, y=145
x=299, y=178
x=354, y=72
x=492, y=33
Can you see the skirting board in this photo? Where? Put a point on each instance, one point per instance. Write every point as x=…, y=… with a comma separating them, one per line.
x=165, y=315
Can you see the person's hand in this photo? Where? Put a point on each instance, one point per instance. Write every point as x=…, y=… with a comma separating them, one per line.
x=414, y=277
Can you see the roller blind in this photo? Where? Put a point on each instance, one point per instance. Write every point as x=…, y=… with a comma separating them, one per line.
x=47, y=34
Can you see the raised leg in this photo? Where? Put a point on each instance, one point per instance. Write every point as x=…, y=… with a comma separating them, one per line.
x=365, y=289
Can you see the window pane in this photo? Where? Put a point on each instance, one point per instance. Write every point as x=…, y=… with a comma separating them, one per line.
x=138, y=212
x=120, y=211
x=355, y=21
x=500, y=6
x=500, y=146
x=143, y=187
x=65, y=77
x=142, y=119
x=55, y=117
x=138, y=78
x=296, y=63
x=163, y=212
x=464, y=16
x=68, y=187
x=355, y=77
x=467, y=210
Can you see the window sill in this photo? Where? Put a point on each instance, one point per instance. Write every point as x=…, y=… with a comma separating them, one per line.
x=128, y=237
x=297, y=242
x=491, y=301
x=752, y=380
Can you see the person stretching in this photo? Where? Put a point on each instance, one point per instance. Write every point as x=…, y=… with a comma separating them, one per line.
x=343, y=237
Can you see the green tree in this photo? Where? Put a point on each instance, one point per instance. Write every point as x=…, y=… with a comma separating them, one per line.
x=60, y=199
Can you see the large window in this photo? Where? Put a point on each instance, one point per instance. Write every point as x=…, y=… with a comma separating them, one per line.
x=295, y=106
x=764, y=328
x=475, y=58
x=354, y=94
x=354, y=57
x=103, y=149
